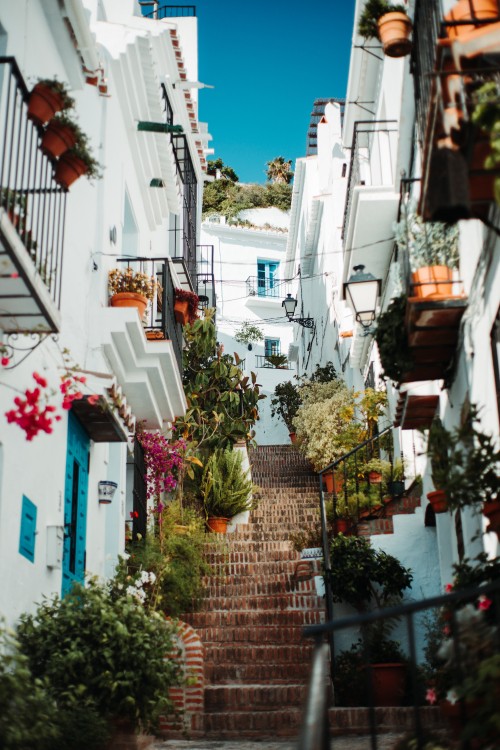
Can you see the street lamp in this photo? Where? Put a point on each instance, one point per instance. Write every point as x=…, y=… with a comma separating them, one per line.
x=290, y=303
x=361, y=292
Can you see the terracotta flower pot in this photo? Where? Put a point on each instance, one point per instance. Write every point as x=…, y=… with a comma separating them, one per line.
x=130, y=299
x=342, y=526
x=375, y=477
x=43, y=104
x=432, y=281
x=461, y=11
x=334, y=482
x=481, y=184
x=394, y=30
x=57, y=139
x=388, y=684
x=293, y=437
x=69, y=168
x=181, y=308
x=491, y=509
x=218, y=524
x=438, y=501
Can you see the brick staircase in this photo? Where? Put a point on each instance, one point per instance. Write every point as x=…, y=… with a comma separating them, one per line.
x=256, y=662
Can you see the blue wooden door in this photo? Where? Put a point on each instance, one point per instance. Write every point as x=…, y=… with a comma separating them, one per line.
x=75, y=504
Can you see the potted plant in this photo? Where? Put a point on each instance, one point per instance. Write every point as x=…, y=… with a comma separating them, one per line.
x=375, y=469
x=396, y=478
x=433, y=252
x=61, y=134
x=439, y=446
x=14, y=203
x=225, y=489
x=285, y=403
x=248, y=334
x=76, y=162
x=185, y=306
x=389, y=23
x=123, y=671
x=364, y=577
x=392, y=340
x=486, y=116
x=48, y=97
x=279, y=361
x=129, y=288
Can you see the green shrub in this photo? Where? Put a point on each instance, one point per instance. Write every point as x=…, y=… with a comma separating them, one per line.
x=225, y=487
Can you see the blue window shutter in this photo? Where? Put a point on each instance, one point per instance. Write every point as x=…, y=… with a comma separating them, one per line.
x=28, y=530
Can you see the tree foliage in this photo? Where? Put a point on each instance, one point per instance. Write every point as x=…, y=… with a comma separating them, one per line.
x=222, y=402
x=279, y=170
x=225, y=171
x=228, y=198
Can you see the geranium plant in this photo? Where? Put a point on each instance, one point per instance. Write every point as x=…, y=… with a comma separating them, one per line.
x=128, y=280
x=184, y=295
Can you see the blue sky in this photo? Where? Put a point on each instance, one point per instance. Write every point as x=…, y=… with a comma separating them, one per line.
x=268, y=61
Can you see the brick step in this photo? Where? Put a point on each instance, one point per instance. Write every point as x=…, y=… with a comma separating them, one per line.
x=244, y=569
x=243, y=555
x=258, y=725
x=242, y=545
x=297, y=483
x=356, y=720
x=273, y=526
x=257, y=618
x=254, y=697
x=255, y=533
x=268, y=634
x=263, y=671
x=286, y=654
x=265, y=602
x=251, y=587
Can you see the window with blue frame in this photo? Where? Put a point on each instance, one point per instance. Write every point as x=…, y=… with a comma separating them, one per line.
x=267, y=278
x=271, y=346
x=28, y=530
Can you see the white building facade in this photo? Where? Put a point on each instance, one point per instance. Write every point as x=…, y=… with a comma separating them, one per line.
x=129, y=76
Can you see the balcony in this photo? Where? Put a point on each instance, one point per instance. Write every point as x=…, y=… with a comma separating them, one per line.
x=273, y=361
x=450, y=61
x=265, y=290
x=415, y=412
x=32, y=216
x=146, y=355
x=371, y=198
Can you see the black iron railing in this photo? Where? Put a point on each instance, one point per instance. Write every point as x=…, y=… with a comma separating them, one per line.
x=159, y=320
x=160, y=12
x=185, y=238
x=205, y=279
x=273, y=361
x=373, y=156
x=264, y=287
x=35, y=203
x=456, y=610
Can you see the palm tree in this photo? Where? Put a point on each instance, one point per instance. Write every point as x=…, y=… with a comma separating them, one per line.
x=224, y=170
x=278, y=170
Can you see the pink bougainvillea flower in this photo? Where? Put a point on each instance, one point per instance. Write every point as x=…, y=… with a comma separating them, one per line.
x=484, y=603
x=14, y=275
x=40, y=380
x=134, y=514
x=447, y=631
x=448, y=588
x=431, y=696
x=93, y=399
x=5, y=361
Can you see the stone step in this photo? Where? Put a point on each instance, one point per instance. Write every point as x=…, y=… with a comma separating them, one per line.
x=234, y=586
x=260, y=725
x=256, y=618
x=254, y=698
x=283, y=568
x=218, y=654
x=244, y=554
x=266, y=634
x=263, y=672
x=288, y=601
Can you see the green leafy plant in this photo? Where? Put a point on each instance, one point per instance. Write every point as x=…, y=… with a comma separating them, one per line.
x=128, y=280
x=104, y=651
x=280, y=361
x=248, y=334
x=222, y=402
x=225, y=489
x=226, y=198
x=376, y=465
x=428, y=243
x=372, y=11
x=392, y=340
x=285, y=402
x=217, y=165
x=486, y=115
x=438, y=450
x=82, y=150
x=279, y=170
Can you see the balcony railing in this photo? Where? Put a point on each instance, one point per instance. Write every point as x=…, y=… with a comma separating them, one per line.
x=167, y=11
x=273, y=361
x=262, y=287
x=159, y=322
x=205, y=280
x=36, y=207
x=372, y=159
x=472, y=670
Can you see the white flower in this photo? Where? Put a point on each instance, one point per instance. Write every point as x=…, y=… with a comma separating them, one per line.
x=131, y=591
x=152, y=577
x=119, y=586
x=451, y=696
x=145, y=576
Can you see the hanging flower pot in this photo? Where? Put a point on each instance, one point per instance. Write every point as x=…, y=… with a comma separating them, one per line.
x=334, y=482
x=69, y=168
x=181, y=308
x=432, y=281
x=438, y=501
x=461, y=11
x=44, y=103
x=218, y=524
x=58, y=138
x=394, y=31
x=491, y=509
x=130, y=299
x=107, y=490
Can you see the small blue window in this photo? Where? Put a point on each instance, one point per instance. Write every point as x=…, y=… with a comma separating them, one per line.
x=271, y=346
x=28, y=530
x=267, y=281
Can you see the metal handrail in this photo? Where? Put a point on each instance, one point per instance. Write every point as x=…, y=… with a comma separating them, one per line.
x=168, y=11
x=314, y=732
